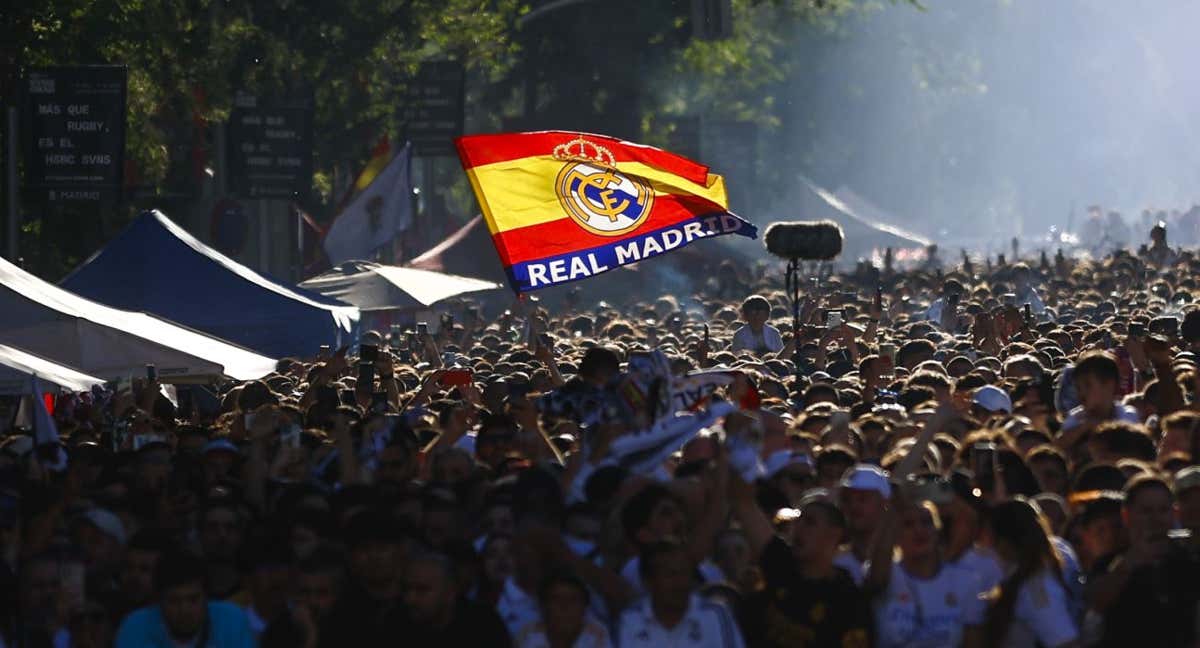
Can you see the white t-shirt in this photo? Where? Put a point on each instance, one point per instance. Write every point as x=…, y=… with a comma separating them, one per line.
x=916, y=613
x=1121, y=412
x=1042, y=614
x=1072, y=576
x=745, y=340
x=593, y=635
x=984, y=563
x=848, y=561
x=518, y=609
x=705, y=624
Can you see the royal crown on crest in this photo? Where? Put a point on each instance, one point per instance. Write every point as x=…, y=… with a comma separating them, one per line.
x=581, y=150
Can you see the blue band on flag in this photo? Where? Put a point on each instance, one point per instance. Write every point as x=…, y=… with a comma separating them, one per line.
x=581, y=264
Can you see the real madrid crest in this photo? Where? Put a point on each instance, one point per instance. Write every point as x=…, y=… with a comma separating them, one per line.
x=597, y=196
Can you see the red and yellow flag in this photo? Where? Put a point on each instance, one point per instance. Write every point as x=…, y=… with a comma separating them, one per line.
x=565, y=206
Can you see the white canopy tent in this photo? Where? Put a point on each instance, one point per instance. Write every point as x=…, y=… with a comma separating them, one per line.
x=373, y=286
x=18, y=367
x=46, y=320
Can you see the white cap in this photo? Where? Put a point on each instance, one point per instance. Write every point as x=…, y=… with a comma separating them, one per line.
x=107, y=522
x=993, y=399
x=781, y=459
x=869, y=478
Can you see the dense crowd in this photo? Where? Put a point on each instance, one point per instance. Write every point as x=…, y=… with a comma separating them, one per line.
x=1000, y=455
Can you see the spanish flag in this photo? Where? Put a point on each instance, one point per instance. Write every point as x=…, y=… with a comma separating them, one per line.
x=565, y=206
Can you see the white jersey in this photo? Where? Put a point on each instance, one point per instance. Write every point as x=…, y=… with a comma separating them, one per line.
x=1042, y=614
x=855, y=567
x=593, y=635
x=631, y=572
x=1121, y=412
x=705, y=624
x=983, y=562
x=917, y=613
x=517, y=609
x=744, y=339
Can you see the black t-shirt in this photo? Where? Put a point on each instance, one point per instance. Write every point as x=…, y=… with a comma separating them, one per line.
x=359, y=620
x=795, y=612
x=1158, y=605
x=474, y=624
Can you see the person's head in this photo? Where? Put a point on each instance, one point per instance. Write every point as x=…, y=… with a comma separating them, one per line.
x=220, y=531
x=864, y=494
x=833, y=462
x=937, y=382
x=1189, y=329
x=668, y=574
x=651, y=515
x=101, y=535
x=1021, y=537
x=452, y=465
x=952, y=288
x=441, y=516
x=397, y=461
x=756, y=311
x=914, y=352
x=920, y=526
x=1187, y=493
x=179, y=586
x=1049, y=466
x=40, y=586
x=1149, y=504
x=1054, y=508
x=319, y=582
x=818, y=531
x=496, y=437
x=1116, y=440
x=497, y=558
x=563, y=599
x=1098, y=527
x=430, y=590
x=136, y=578
x=599, y=365
x=793, y=473
x=732, y=554
x=1095, y=376
x=377, y=545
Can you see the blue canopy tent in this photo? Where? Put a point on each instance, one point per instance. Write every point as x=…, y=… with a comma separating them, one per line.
x=155, y=266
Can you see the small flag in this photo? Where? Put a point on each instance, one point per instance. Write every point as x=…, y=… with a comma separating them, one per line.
x=566, y=206
x=380, y=156
x=376, y=215
x=644, y=451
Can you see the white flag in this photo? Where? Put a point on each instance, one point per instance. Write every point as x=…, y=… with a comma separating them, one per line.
x=45, y=432
x=376, y=216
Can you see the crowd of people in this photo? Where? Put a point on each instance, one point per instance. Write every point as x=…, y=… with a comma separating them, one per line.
x=969, y=456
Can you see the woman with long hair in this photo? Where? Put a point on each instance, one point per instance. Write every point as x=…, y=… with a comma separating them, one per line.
x=920, y=599
x=1032, y=604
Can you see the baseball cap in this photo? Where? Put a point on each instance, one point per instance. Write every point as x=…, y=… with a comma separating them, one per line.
x=993, y=399
x=868, y=477
x=781, y=459
x=1187, y=479
x=217, y=445
x=107, y=522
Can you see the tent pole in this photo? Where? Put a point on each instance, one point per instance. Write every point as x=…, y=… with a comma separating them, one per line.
x=10, y=141
x=299, y=243
x=264, y=238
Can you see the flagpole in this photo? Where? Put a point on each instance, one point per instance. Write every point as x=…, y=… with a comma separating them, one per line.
x=299, y=243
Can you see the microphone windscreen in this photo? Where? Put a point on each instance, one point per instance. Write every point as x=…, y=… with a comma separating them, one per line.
x=807, y=240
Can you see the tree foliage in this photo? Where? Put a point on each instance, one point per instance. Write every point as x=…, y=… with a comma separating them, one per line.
x=188, y=58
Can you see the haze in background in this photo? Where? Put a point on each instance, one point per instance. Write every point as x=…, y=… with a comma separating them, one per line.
x=977, y=120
